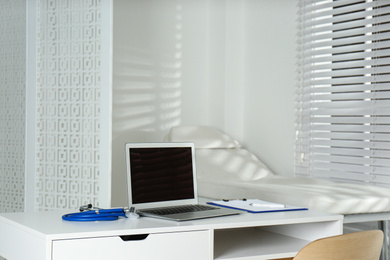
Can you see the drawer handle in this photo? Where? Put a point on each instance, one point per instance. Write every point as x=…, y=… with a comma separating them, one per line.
x=134, y=237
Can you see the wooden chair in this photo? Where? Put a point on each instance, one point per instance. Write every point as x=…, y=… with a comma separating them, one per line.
x=364, y=245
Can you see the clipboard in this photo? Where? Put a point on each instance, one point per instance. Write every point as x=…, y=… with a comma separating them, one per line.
x=254, y=205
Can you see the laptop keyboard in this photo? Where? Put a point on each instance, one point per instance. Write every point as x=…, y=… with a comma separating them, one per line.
x=177, y=209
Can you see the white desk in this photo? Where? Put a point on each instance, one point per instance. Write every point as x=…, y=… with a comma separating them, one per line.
x=44, y=236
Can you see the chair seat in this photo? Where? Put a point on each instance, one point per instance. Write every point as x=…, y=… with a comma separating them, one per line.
x=365, y=245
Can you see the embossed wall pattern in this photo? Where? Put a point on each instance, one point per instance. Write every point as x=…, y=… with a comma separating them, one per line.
x=68, y=103
x=12, y=104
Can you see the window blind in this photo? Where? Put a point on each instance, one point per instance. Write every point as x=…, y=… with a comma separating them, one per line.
x=343, y=95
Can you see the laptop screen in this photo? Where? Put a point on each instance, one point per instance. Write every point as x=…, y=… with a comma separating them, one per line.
x=160, y=173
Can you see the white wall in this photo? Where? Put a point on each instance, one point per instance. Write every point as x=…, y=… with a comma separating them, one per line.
x=270, y=81
x=224, y=63
x=147, y=77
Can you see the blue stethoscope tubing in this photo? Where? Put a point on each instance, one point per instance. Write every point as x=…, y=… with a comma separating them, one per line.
x=96, y=215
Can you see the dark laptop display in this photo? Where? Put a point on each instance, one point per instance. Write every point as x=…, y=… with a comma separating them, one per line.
x=161, y=181
x=161, y=174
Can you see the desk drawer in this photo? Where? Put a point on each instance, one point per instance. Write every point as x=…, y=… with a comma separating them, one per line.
x=178, y=245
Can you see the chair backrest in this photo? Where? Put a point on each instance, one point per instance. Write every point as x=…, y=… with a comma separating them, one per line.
x=365, y=245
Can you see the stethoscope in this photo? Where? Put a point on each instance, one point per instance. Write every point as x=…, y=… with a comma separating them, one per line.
x=89, y=213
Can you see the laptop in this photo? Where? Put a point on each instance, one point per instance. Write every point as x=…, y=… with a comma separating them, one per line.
x=161, y=181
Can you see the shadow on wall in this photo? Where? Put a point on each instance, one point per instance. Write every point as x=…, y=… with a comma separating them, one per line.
x=147, y=95
x=147, y=78
x=148, y=70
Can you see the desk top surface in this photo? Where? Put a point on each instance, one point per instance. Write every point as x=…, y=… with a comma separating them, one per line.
x=49, y=225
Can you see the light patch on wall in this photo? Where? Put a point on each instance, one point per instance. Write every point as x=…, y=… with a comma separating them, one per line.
x=147, y=67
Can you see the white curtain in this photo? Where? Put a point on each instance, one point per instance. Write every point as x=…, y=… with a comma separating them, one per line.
x=343, y=97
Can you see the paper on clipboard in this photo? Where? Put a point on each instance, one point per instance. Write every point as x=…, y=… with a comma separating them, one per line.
x=254, y=205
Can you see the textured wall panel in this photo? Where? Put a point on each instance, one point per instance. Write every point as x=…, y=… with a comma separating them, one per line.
x=12, y=104
x=68, y=103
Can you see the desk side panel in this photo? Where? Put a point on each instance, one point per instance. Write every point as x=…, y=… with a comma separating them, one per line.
x=18, y=244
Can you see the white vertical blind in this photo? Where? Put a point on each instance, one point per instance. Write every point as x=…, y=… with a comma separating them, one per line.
x=343, y=97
